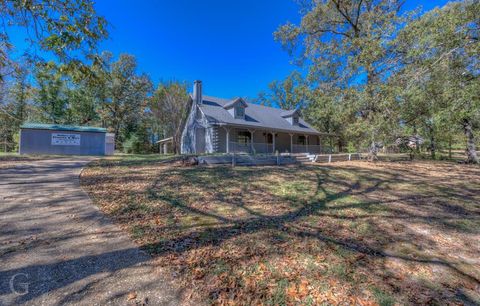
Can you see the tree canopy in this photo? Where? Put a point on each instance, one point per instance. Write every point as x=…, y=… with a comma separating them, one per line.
x=368, y=72
x=372, y=72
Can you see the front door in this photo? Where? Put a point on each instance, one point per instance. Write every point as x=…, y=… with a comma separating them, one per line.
x=200, y=140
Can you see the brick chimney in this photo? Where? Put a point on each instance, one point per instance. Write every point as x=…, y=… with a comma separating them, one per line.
x=197, y=92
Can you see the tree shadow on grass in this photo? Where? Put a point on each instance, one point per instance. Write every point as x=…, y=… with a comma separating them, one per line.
x=324, y=202
x=292, y=222
x=94, y=278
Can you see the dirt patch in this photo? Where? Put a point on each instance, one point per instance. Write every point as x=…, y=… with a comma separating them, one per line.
x=348, y=232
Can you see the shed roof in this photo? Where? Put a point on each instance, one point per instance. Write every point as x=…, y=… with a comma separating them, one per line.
x=60, y=127
x=256, y=116
x=169, y=139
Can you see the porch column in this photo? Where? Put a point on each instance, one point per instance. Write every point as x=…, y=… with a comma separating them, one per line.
x=306, y=143
x=291, y=143
x=227, y=130
x=273, y=141
x=251, y=140
x=319, y=145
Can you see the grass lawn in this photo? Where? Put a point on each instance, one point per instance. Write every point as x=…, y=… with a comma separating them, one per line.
x=366, y=233
x=7, y=157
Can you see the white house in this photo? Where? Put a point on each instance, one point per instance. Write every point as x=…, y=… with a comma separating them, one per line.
x=216, y=125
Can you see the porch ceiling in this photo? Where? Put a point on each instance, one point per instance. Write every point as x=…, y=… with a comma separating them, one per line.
x=270, y=130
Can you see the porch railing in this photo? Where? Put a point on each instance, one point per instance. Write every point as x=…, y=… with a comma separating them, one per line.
x=267, y=148
x=313, y=149
x=251, y=148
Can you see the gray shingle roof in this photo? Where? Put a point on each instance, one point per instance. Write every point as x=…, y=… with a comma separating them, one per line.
x=256, y=116
x=233, y=102
x=289, y=113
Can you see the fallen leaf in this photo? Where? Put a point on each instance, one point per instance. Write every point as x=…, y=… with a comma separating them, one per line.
x=132, y=296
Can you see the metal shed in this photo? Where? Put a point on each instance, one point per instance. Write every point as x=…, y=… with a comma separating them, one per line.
x=37, y=138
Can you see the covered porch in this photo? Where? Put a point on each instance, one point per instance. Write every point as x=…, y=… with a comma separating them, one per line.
x=262, y=141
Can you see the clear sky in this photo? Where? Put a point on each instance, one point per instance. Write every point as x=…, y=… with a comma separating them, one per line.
x=227, y=44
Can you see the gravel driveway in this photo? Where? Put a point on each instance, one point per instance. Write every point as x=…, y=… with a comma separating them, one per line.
x=56, y=247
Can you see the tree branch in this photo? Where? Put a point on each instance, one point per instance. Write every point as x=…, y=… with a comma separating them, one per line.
x=347, y=18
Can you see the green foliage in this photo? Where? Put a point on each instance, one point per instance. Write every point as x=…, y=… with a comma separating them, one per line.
x=16, y=141
x=373, y=74
x=441, y=74
x=121, y=93
x=169, y=108
x=351, y=147
x=138, y=142
x=342, y=43
x=287, y=94
x=383, y=298
x=58, y=26
x=50, y=96
x=14, y=108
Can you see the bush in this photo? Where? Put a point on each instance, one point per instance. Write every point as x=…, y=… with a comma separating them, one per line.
x=136, y=145
x=351, y=148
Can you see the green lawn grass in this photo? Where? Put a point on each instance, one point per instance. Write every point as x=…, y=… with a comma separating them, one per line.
x=355, y=232
x=13, y=156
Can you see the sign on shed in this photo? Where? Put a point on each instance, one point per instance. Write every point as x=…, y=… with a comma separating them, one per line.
x=65, y=139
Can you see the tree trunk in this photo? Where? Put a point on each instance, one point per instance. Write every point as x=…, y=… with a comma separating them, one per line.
x=450, y=148
x=471, y=151
x=417, y=143
x=433, y=145
x=372, y=154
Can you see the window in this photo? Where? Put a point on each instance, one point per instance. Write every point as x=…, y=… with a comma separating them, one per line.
x=269, y=138
x=302, y=140
x=239, y=112
x=243, y=137
x=295, y=120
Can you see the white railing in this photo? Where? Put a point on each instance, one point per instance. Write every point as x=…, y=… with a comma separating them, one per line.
x=250, y=148
x=312, y=149
x=267, y=148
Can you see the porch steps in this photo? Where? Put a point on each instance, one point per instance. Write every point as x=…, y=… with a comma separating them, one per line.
x=304, y=158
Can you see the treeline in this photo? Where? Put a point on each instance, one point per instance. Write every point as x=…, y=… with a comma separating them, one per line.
x=373, y=74
x=108, y=92
x=80, y=86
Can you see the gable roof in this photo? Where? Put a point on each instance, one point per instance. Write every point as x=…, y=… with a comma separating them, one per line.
x=60, y=127
x=290, y=113
x=235, y=102
x=256, y=116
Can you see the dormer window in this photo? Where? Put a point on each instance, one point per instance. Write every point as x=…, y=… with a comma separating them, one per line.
x=236, y=108
x=295, y=120
x=239, y=112
x=292, y=116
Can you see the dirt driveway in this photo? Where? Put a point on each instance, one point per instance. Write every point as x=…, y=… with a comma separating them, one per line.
x=56, y=247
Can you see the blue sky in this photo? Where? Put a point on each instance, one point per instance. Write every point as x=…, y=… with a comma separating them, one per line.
x=228, y=45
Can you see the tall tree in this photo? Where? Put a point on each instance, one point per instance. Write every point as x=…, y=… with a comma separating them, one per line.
x=51, y=97
x=287, y=94
x=14, y=107
x=345, y=43
x=20, y=94
x=445, y=61
x=169, y=106
x=59, y=26
x=82, y=97
x=122, y=93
